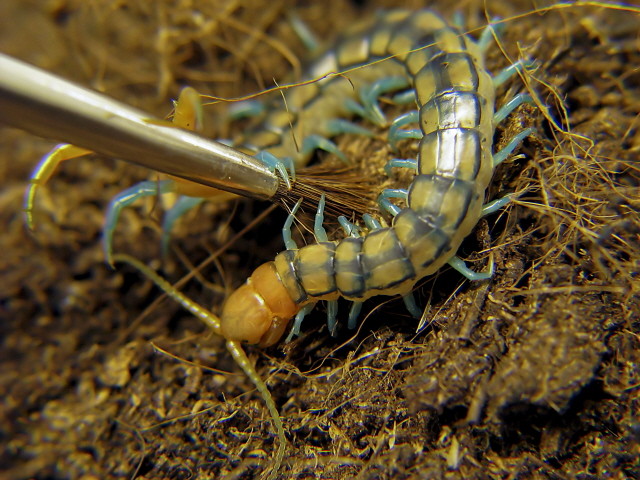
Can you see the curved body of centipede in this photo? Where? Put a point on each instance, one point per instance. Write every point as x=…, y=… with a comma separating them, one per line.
x=444, y=201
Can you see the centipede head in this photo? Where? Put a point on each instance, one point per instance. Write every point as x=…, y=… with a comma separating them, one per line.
x=260, y=310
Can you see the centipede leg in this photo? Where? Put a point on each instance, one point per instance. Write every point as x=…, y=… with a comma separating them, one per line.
x=412, y=306
x=501, y=155
x=297, y=322
x=332, y=316
x=411, y=163
x=385, y=203
x=289, y=242
x=510, y=106
x=508, y=72
x=370, y=222
x=397, y=133
x=338, y=126
x=124, y=199
x=318, y=228
x=318, y=142
x=495, y=205
x=486, y=37
x=457, y=263
x=304, y=33
x=354, y=313
x=350, y=229
x=370, y=94
x=245, y=109
x=181, y=207
x=275, y=164
x=404, y=98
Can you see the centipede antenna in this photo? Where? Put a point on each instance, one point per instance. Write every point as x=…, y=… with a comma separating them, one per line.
x=238, y=354
x=234, y=348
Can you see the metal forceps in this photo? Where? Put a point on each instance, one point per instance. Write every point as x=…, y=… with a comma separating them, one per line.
x=49, y=106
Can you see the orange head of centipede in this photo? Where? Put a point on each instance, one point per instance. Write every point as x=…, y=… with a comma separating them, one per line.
x=259, y=311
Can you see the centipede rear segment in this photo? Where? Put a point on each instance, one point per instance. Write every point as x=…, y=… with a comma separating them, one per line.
x=384, y=406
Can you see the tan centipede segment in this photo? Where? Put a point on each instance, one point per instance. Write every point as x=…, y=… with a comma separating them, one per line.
x=258, y=311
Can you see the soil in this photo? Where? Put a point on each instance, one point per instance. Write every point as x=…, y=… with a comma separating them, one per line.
x=533, y=374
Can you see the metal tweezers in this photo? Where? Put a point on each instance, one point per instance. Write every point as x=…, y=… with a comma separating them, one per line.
x=51, y=107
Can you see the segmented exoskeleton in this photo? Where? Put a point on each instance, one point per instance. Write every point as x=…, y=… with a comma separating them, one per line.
x=455, y=113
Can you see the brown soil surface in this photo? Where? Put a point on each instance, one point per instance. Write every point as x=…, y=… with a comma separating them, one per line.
x=534, y=374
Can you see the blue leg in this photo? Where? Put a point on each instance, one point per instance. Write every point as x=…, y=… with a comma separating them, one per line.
x=500, y=156
x=495, y=205
x=356, y=307
x=411, y=163
x=404, y=98
x=318, y=229
x=412, y=307
x=370, y=222
x=182, y=206
x=332, y=315
x=508, y=72
x=460, y=266
x=289, y=242
x=486, y=36
x=274, y=164
x=370, y=94
x=314, y=142
x=290, y=166
x=350, y=229
x=306, y=36
x=404, y=134
x=510, y=106
x=297, y=323
x=124, y=199
x=458, y=20
x=245, y=109
x=338, y=126
x=385, y=203
x=355, y=108
x=395, y=129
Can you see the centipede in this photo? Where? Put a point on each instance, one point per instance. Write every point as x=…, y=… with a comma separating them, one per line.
x=454, y=96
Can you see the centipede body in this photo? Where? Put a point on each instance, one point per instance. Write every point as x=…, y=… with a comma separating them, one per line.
x=455, y=106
